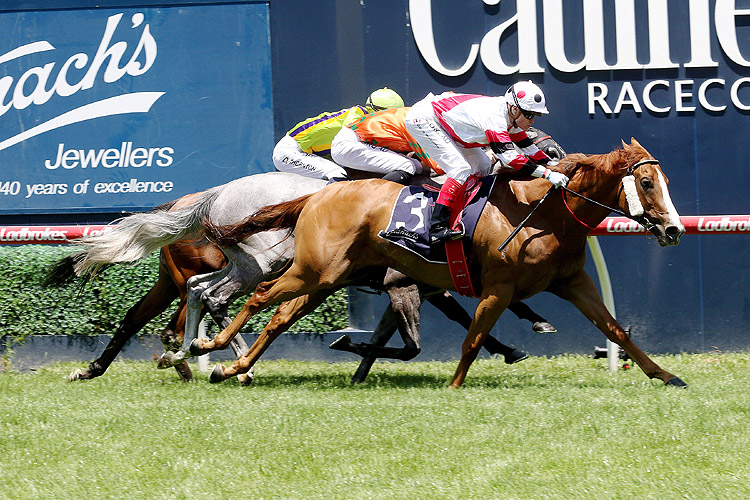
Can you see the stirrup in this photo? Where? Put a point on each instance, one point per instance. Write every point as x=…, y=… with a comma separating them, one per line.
x=445, y=233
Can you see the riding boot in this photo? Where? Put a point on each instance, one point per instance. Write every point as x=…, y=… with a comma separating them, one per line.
x=339, y=179
x=439, y=230
x=398, y=176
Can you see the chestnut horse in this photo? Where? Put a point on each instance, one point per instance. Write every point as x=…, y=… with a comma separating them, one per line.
x=199, y=276
x=548, y=253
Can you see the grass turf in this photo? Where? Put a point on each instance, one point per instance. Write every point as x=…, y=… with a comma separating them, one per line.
x=544, y=428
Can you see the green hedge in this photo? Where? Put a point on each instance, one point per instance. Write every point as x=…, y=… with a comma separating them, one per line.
x=31, y=309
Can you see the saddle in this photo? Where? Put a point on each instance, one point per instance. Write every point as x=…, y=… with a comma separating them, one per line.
x=409, y=226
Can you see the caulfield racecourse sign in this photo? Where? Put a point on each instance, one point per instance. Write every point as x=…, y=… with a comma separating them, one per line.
x=105, y=109
x=561, y=31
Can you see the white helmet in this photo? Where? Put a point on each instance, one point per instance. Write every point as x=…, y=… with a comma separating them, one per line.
x=528, y=97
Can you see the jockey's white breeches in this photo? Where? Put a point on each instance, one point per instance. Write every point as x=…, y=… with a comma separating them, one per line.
x=348, y=150
x=457, y=161
x=289, y=157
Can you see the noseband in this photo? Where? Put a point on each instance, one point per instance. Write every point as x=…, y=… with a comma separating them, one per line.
x=631, y=195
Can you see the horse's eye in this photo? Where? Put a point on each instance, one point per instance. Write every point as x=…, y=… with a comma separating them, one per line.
x=646, y=184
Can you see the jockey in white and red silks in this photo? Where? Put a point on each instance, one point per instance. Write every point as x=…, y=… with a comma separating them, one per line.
x=453, y=128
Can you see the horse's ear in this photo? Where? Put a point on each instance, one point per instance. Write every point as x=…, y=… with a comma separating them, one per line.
x=633, y=142
x=624, y=144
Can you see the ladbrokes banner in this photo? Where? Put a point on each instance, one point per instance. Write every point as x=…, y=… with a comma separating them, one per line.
x=103, y=109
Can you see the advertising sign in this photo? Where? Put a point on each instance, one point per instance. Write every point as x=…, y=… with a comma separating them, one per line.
x=128, y=108
x=673, y=74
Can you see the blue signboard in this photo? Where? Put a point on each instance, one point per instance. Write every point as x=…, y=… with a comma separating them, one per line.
x=108, y=109
x=105, y=108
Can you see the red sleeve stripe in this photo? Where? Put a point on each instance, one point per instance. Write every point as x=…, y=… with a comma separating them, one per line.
x=518, y=162
x=539, y=156
x=495, y=136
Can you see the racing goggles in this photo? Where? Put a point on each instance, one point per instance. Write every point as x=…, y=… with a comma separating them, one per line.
x=374, y=107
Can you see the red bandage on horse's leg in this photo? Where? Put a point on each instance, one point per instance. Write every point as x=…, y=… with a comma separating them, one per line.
x=448, y=192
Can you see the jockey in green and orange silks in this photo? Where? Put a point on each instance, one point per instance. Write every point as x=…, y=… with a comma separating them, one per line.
x=305, y=148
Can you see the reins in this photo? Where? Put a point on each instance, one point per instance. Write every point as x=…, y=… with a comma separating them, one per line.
x=642, y=220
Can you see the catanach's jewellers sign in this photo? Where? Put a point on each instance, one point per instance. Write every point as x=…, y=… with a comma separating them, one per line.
x=128, y=108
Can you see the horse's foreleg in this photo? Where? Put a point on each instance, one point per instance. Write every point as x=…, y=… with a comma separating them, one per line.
x=284, y=317
x=156, y=301
x=582, y=293
x=488, y=311
x=266, y=294
x=448, y=305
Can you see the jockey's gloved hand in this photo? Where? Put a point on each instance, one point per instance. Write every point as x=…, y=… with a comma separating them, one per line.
x=556, y=178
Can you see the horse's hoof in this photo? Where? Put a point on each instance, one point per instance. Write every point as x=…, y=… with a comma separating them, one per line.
x=342, y=343
x=246, y=378
x=168, y=360
x=76, y=375
x=217, y=374
x=543, y=327
x=676, y=382
x=195, y=348
x=515, y=356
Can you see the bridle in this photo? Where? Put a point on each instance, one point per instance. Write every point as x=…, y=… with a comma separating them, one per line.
x=628, y=185
x=631, y=195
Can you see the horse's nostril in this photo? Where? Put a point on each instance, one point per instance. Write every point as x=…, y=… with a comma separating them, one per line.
x=673, y=232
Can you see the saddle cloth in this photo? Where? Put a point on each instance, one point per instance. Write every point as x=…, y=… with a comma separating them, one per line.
x=410, y=219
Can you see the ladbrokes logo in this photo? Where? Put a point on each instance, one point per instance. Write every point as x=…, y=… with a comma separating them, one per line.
x=37, y=85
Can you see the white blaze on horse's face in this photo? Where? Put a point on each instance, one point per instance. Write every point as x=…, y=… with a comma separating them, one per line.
x=658, y=207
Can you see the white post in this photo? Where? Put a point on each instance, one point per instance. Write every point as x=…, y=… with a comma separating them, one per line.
x=203, y=360
x=613, y=350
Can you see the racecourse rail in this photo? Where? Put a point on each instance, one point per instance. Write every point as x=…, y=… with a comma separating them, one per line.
x=694, y=224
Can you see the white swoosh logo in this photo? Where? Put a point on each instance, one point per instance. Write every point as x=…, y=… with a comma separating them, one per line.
x=138, y=102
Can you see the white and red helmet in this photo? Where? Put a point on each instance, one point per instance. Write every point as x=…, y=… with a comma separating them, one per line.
x=528, y=97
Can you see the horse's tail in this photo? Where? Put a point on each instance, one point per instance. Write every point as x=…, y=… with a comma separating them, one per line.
x=137, y=235
x=280, y=216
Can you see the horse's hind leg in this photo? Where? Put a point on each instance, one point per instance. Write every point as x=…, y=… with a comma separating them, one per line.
x=156, y=301
x=538, y=323
x=288, y=286
x=284, y=317
x=405, y=302
x=196, y=298
x=383, y=332
x=171, y=338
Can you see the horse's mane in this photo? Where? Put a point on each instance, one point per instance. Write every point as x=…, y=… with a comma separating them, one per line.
x=607, y=163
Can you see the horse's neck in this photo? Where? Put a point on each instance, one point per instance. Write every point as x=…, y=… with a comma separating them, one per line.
x=596, y=186
x=524, y=196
